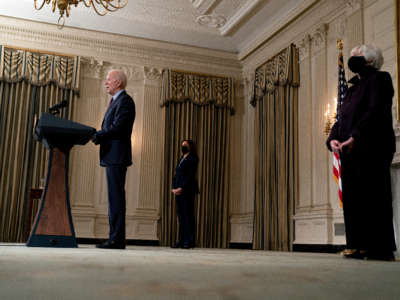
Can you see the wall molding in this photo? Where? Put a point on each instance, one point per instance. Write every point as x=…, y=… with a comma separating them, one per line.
x=117, y=48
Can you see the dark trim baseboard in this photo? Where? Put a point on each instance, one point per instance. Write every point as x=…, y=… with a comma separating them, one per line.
x=318, y=248
x=247, y=246
x=128, y=242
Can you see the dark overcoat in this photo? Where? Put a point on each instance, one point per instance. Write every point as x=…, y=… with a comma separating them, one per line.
x=366, y=115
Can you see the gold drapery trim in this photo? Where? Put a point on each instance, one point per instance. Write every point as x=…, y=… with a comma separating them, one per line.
x=280, y=70
x=200, y=89
x=39, y=69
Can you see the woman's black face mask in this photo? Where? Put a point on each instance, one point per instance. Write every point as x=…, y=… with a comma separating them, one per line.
x=357, y=64
x=185, y=149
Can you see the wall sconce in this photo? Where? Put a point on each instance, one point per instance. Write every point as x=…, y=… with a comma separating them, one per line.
x=330, y=117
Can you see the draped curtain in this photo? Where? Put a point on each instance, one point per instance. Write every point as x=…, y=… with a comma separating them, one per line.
x=275, y=99
x=198, y=107
x=29, y=83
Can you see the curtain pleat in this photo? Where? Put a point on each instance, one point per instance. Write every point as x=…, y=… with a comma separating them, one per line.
x=29, y=84
x=275, y=99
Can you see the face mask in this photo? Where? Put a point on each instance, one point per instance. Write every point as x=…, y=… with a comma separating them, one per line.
x=185, y=149
x=357, y=64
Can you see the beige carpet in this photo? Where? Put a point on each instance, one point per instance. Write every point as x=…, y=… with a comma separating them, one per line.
x=164, y=273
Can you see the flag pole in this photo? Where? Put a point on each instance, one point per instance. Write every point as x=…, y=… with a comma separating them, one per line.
x=342, y=88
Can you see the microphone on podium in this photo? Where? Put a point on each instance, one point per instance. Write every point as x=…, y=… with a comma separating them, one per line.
x=55, y=109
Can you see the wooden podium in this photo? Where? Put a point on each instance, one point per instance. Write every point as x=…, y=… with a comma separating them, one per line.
x=53, y=226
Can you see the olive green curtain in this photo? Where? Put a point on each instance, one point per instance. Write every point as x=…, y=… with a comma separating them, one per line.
x=276, y=150
x=29, y=84
x=198, y=108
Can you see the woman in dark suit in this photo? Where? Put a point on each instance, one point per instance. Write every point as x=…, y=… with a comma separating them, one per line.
x=185, y=188
x=365, y=140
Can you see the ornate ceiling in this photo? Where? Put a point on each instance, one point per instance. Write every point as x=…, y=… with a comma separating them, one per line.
x=231, y=25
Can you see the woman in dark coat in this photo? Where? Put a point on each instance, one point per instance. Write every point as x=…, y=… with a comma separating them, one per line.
x=185, y=188
x=365, y=140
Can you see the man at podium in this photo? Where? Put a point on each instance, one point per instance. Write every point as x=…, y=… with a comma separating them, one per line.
x=114, y=139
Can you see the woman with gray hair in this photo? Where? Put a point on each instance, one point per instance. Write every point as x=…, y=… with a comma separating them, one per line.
x=364, y=138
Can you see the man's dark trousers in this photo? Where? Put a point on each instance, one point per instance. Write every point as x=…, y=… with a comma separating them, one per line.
x=116, y=175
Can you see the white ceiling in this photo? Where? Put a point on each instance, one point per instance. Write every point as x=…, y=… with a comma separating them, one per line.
x=229, y=25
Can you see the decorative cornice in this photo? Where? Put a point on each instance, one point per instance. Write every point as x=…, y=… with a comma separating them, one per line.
x=151, y=73
x=133, y=73
x=304, y=46
x=352, y=6
x=92, y=68
x=319, y=38
x=117, y=48
x=248, y=83
x=340, y=27
x=98, y=69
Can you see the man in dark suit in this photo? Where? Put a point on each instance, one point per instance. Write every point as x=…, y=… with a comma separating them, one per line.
x=116, y=154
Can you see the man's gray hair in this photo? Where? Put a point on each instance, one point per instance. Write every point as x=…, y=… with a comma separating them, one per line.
x=120, y=75
x=372, y=54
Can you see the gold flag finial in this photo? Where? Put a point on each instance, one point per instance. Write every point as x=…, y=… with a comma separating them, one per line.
x=340, y=45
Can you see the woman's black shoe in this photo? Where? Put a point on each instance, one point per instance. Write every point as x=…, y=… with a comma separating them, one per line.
x=358, y=254
x=177, y=245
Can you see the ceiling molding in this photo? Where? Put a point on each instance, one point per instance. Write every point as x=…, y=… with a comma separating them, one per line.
x=235, y=26
x=276, y=27
x=239, y=16
x=205, y=6
x=111, y=47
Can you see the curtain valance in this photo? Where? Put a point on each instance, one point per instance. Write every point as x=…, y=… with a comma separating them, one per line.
x=39, y=69
x=280, y=70
x=200, y=89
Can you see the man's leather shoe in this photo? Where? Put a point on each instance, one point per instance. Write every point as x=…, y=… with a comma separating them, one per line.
x=111, y=245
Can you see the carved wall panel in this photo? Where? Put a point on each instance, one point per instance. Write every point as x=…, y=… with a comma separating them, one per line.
x=305, y=199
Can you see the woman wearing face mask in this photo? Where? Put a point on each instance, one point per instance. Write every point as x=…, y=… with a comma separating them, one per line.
x=364, y=138
x=185, y=188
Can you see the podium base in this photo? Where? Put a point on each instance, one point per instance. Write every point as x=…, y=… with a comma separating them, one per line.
x=54, y=241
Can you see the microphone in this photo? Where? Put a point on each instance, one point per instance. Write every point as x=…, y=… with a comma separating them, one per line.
x=55, y=109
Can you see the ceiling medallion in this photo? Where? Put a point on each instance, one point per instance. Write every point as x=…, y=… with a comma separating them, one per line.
x=214, y=21
x=101, y=7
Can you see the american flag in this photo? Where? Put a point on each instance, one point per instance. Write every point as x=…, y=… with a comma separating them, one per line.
x=342, y=89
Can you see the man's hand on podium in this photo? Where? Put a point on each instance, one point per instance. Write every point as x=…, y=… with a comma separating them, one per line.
x=95, y=139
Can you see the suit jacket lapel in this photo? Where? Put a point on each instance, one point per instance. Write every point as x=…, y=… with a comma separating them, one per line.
x=109, y=109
